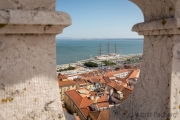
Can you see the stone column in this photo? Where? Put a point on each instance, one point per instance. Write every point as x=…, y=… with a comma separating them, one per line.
x=157, y=93
x=28, y=81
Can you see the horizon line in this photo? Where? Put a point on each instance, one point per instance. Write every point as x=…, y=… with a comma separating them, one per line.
x=94, y=38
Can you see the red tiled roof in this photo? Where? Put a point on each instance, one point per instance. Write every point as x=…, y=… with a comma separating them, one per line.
x=116, y=86
x=102, y=104
x=94, y=115
x=111, y=74
x=94, y=79
x=85, y=111
x=60, y=76
x=112, y=84
x=104, y=115
x=66, y=83
x=81, y=81
x=83, y=101
x=119, y=87
x=134, y=73
x=100, y=115
x=106, y=79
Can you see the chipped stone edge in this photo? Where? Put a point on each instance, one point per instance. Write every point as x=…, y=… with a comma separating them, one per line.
x=158, y=27
x=33, y=22
x=29, y=17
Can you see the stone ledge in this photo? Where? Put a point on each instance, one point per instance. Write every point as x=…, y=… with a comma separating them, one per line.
x=158, y=27
x=32, y=29
x=175, y=31
x=39, y=19
x=28, y=4
x=34, y=17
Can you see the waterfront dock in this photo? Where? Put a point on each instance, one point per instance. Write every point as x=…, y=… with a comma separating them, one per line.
x=80, y=68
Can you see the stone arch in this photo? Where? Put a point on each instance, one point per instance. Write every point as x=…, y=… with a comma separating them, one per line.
x=156, y=94
x=158, y=89
x=156, y=9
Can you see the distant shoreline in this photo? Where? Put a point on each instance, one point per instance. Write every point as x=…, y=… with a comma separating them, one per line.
x=99, y=38
x=120, y=57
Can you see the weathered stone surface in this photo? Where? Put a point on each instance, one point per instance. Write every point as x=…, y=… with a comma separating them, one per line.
x=28, y=84
x=28, y=81
x=28, y=4
x=33, y=22
x=34, y=17
x=157, y=93
x=158, y=9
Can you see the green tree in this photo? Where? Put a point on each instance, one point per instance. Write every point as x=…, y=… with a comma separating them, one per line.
x=108, y=63
x=91, y=64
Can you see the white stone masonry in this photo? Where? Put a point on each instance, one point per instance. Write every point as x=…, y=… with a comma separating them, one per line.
x=28, y=81
x=157, y=93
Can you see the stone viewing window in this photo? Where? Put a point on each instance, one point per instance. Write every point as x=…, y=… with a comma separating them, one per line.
x=27, y=50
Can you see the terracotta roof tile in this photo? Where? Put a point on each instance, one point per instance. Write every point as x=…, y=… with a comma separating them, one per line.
x=100, y=115
x=106, y=79
x=84, y=111
x=66, y=83
x=102, y=104
x=94, y=115
x=116, y=86
x=94, y=79
x=112, y=84
x=85, y=102
x=81, y=81
x=119, y=87
x=74, y=96
x=80, y=100
x=111, y=74
x=60, y=76
x=104, y=115
x=103, y=98
x=134, y=73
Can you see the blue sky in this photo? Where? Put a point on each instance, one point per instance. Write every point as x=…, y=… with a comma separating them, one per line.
x=100, y=18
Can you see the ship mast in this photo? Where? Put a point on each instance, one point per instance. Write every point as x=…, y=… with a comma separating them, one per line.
x=108, y=47
x=100, y=50
x=115, y=49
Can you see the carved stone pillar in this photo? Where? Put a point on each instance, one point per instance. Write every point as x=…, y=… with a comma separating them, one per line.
x=157, y=93
x=28, y=82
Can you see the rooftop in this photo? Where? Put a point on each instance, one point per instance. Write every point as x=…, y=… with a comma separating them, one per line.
x=111, y=74
x=100, y=115
x=60, y=76
x=82, y=99
x=66, y=83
